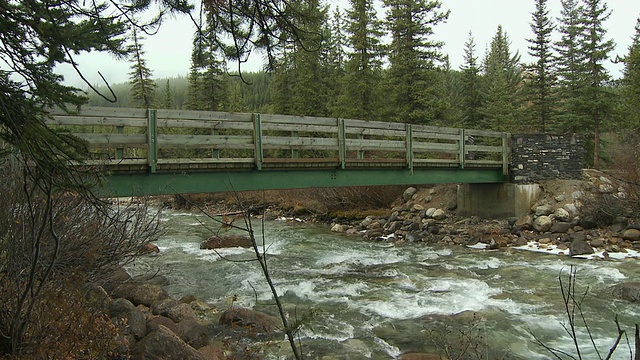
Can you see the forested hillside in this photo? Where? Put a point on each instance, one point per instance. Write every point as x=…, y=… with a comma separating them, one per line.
x=339, y=66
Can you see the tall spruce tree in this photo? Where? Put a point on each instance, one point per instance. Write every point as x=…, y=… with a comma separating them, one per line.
x=541, y=79
x=470, y=88
x=414, y=56
x=364, y=65
x=571, y=70
x=167, y=101
x=630, y=114
x=598, y=100
x=501, y=85
x=143, y=88
x=335, y=64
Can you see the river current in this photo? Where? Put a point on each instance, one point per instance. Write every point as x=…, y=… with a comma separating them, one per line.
x=376, y=300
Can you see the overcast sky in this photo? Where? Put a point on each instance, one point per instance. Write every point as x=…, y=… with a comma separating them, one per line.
x=168, y=51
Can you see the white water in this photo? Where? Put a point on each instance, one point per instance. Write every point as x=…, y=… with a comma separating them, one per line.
x=374, y=300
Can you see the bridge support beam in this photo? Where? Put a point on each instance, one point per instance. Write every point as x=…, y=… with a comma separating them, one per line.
x=496, y=201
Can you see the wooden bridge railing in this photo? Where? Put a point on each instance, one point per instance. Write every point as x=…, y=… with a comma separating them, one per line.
x=138, y=140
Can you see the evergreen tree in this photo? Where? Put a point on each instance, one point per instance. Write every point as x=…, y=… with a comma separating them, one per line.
x=167, y=102
x=541, y=77
x=364, y=61
x=143, y=88
x=470, y=91
x=412, y=78
x=598, y=97
x=570, y=67
x=335, y=65
x=502, y=83
x=631, y=85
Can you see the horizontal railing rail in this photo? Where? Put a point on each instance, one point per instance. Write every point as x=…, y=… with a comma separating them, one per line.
x=138, y=140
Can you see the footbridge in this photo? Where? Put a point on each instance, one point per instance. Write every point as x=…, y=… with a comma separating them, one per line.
x=150, y=152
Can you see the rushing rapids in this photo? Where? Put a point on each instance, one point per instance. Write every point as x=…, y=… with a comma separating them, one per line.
x=377, y=300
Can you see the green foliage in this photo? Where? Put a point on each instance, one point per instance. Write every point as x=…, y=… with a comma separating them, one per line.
x=363, y=70
x=412, y=78
x=630, y=105
x=542, y=77
x=502, y=84
x=470, y=88
x=143, y=88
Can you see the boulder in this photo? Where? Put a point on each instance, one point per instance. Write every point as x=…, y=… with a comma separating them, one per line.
x=149, y=248
x=597, y=243
x=155, y=322
x=408, y=193
x=580, y=247
x=429, y=212
x=164, y=344
x=180, y=312
x=562, y=214
x=252, y=322
x=543, y=210
x=525, y=223
x=227, y=241
x=212, y=352
x=420, y=356
x=629, y=291
x=193, y=332
x=560, y=227
x=128, y=319
x=439, y=214
x=162, y=307
x=542, y=224
x=145, y=294
x=631, y=235
x=96, y=296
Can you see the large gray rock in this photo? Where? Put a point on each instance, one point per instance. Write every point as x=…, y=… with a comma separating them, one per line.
x=127, y=318
x=193, y=333
x=227, y=241
x=146, y=294
x=560, y=227
x=580, y=247
x=562, y=214
x=408, y=194
x=543, y=210
x=572, y=209
x=629, y=291
x=439, y=214
x=252, y=322
x=180, y=312
x=163, y=344
x=631, y=235
x=542, y=224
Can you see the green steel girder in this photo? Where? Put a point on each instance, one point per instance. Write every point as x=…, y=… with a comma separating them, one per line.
x=220, y=181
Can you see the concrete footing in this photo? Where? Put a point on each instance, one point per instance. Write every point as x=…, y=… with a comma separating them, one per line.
x=496, y=201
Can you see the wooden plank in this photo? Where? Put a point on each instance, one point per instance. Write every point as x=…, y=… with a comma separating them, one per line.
x=124, y=140
x=204, y=124
x=334, y=161
x=164, y=114
x=422, y=147
x=362, y=124
x=453, y=162
x=103, y=112
x=300, y=128
x=95, y=121
x=205, y=160
x=109, y=162
x=376, y=132
x=493, y=163
x=438, y=136
x=436, y=129
x=195, y=141
x=297, y=120
x=369, y=144
x=483, y=148
x=302, y=142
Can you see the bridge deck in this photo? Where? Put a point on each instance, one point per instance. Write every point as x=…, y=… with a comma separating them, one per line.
x=176, y=151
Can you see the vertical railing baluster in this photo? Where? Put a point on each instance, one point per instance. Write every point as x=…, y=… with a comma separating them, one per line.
x=152, y=150
x=409, y=142
x=120, y=151
x=342, y=142
x=462, y=151
x=257, y=141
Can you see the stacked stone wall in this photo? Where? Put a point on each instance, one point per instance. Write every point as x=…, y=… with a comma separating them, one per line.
x=536, y=157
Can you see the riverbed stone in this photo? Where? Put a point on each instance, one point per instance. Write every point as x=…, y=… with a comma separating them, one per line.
x=164, y=344
x=580, y=247
x=420, y=356
x=631, y=235
x=562, y=214
x=543, y=210
x=560, y=227
x=439, y=215
x=429, y=212
x=129, y=319
x=408, y=193
x=629, y=291
x=252, y=322
x=542, y=224
x=227, y=241
x=597, y=243
x=193, y=332
x=180, y=312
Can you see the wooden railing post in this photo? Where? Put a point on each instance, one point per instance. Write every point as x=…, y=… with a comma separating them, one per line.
x=152, y=131
x=505, y=153
x=257, y=141
x=342, y=142
x=294, y=152
x=360, y=152
x=409, y=141
x=216, y=152
x=120, y=151
x=462, y=153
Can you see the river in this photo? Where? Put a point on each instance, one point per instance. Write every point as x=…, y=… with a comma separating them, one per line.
x=376, y=300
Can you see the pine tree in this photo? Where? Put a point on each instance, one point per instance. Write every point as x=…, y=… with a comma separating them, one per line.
x=414, y=56
x=167, y=102
x=570, y=67
x=364, y=65
x=470, y=91
x=143, y=88
x=598, y=97
x=541, y=77
x=631, y=85
x=335, y=64
x=502, y=83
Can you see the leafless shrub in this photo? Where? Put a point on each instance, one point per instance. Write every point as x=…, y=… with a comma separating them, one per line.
x=51, y=240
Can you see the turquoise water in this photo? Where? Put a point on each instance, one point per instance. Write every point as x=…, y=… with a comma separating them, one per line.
x=376, y=300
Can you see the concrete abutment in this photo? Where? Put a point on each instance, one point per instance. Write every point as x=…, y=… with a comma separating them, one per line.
x=496, y=201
